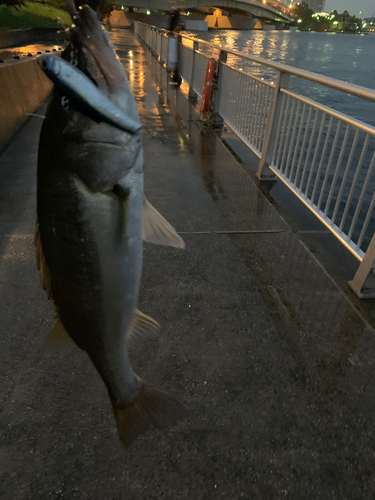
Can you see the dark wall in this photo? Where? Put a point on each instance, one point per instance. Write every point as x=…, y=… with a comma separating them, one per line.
x=23, y=87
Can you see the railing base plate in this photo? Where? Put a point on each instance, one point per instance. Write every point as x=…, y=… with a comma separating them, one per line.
x=364, y=292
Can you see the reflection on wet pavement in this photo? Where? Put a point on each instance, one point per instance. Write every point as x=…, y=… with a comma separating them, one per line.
x=273, y=362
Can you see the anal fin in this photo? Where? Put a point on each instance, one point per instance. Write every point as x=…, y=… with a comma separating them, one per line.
x=155, y=229
x=141, y=326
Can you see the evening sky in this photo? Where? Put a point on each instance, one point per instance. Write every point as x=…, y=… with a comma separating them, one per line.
x=354, y=8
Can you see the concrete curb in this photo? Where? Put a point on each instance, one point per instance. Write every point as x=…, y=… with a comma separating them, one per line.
x=16, y=38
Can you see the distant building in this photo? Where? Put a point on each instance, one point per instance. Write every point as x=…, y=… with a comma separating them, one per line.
x=369, y=24
x=345, y=22
x=344, y=17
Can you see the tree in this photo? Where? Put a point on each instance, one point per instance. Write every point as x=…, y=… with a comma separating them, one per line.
x=304, y=14
x=57, y=4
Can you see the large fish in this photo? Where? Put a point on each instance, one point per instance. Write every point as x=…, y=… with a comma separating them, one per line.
x=92, y=217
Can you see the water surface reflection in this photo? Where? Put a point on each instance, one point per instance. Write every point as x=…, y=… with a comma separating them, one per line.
x=341, y=56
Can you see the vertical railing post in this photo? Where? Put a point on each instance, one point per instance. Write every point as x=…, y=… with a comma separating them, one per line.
x=172, y=53
x=192, y=94
x=264, y=172
x=218, y=121
x=363, y=283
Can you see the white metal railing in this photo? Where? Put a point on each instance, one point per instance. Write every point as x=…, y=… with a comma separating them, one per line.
x=325, y=157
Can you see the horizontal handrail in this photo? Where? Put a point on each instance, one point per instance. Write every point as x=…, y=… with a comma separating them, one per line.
x=256, y=78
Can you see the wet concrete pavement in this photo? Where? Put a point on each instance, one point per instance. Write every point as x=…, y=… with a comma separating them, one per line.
x=272, y=360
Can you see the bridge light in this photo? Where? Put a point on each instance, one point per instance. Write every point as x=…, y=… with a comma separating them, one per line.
x=299, y=21
x=148, y=12
x=264, y=1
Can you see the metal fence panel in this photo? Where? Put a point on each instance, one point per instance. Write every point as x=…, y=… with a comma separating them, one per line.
x=328, y=159
x=245, y=103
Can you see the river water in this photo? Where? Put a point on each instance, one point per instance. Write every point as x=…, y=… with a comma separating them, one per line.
x=346, y=57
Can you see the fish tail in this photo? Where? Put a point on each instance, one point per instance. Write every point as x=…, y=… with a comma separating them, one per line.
x=151, y=407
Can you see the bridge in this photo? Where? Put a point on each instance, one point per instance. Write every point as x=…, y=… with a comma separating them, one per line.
x=270, y=10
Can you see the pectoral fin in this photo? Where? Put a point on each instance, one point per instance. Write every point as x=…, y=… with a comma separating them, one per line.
x=141, y=326
x=155, y=229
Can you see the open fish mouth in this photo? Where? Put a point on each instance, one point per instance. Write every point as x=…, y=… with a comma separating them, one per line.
x=88, y=32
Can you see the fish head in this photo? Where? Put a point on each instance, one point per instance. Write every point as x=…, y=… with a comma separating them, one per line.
x=91, y=51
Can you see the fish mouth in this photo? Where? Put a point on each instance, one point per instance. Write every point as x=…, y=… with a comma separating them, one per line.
x=88, y=32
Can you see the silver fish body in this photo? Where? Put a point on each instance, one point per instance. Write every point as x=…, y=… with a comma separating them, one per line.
x=92, y=217
x=92, y=241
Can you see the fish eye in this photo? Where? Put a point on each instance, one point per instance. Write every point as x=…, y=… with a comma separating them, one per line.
x=44, y=64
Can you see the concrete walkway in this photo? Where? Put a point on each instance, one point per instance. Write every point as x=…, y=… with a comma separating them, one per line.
x=273, y=362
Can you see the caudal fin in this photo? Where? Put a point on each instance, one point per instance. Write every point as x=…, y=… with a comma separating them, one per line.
x=152, y=406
